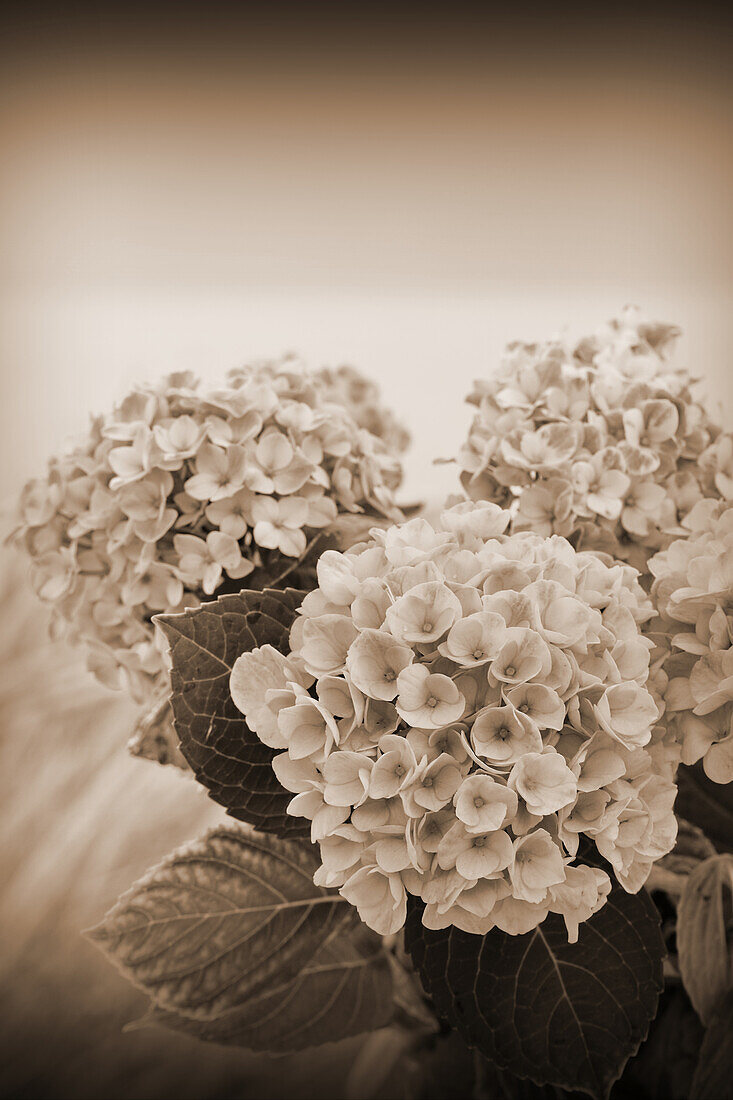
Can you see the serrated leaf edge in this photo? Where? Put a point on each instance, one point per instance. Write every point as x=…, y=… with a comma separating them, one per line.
x=168, y=624
x=95, y=934
x=572, y=1086
x=168, y=621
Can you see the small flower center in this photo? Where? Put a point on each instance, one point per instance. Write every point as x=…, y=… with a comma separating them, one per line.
x=524, y=708
x=479, y=841
x=399, y=770
x=478, y=803
x=390, y=675
x=431, y=701
x=503, y=733
x=510, y=670
x=428, y=781
x=427, y=627
x=478, y=654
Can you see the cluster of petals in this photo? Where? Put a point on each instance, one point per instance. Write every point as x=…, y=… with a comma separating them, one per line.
x=693, y=592
x=361, y=396
x=464, y=717
x=182, y=489
x=601, y=441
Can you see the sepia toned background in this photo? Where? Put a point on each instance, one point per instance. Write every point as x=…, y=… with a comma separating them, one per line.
x=402, y=194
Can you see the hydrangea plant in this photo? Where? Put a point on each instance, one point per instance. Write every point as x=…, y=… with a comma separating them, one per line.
x=450, y=751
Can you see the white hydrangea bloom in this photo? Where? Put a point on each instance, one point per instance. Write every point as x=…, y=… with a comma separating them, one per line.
x=693, y=590
x=462, y=709
x=181, y=490
x=602, y=442
x=347, y=386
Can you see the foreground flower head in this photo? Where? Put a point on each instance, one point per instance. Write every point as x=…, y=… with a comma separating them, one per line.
x=693, y=590
x=464, y=716
x=602, y=441
x=182, y=489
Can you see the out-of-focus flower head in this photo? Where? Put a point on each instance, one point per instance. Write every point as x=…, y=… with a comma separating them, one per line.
x=181, y=490
x=348, y=386
x=462, y=716
x=602, y=441
x=693, y=591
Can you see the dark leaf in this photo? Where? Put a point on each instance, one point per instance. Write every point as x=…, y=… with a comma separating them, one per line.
x=233, y=943
x=279, y=571
x=563, y=1014
x=665, y=1064
x=450, y=1070
x=342, y=990
x=225, y=755
x=493, y=1083
x=706, y=804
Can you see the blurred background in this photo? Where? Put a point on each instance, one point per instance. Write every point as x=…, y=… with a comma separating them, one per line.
x=404, y=194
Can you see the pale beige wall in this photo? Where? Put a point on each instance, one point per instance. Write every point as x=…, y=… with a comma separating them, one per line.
x=407, y=216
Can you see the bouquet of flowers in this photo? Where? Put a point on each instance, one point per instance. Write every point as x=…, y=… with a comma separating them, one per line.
x=451, y=750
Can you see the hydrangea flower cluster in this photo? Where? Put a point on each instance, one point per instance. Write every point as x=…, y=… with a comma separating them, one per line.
x=693, y=591
x=360, y=395
x=603, y=442
x=181, y=490
x=461, y=714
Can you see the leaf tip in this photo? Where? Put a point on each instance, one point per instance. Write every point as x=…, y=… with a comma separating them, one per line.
x=167, y=624
x=143, y=1023
x=97, y=933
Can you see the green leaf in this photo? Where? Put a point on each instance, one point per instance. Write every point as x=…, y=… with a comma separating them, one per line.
x=233, y=943
x=225, y=755
x=702, y=941
x=562, y=1014
x=706, y=804
x=713, y=1078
